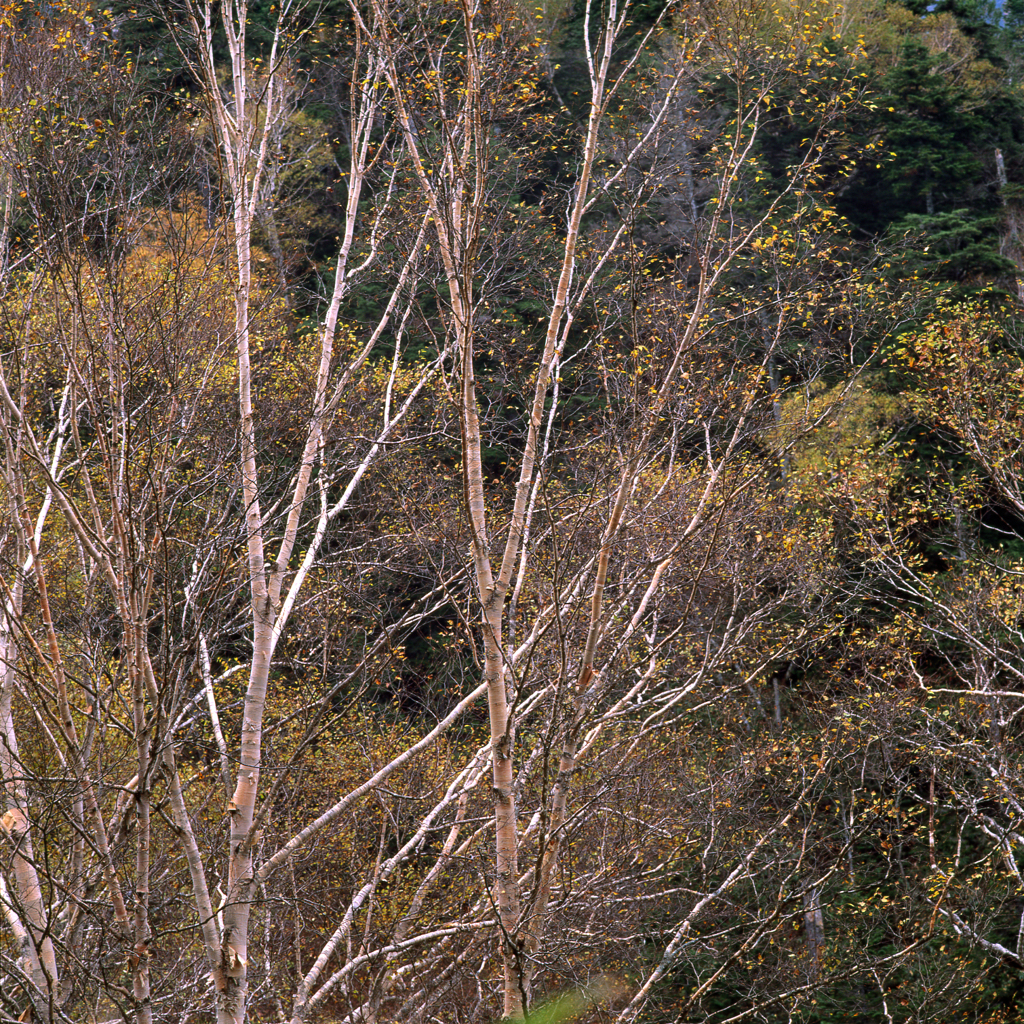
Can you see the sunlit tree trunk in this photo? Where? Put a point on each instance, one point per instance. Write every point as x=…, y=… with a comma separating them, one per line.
x=455, y=184
x=28, y=921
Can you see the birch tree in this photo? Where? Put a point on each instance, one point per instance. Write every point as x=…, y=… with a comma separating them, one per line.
x=447, y=73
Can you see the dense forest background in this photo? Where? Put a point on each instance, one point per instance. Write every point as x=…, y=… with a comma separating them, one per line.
x=512, y=510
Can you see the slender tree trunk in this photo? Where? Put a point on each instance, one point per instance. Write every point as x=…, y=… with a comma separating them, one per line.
x=1010, y=241
x=814, y=929
x=30, y=926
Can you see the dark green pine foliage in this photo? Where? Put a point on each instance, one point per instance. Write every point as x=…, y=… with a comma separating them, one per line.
x=958, y=246
x=930, y=147
x=935, y=138
x=935, y=183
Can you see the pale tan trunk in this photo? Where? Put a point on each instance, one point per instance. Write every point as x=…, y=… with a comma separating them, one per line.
x=234, y=953
x=243, y=147
x=491, y=594
x=243, y=134
x=1010, y=241
x=506, y=866
x=457, y=226
x=36, y=948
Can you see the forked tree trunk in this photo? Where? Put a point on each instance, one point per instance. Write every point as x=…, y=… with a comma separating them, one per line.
x=455, y=195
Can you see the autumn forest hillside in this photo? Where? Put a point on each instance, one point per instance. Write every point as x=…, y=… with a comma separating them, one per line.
x=512, y=511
